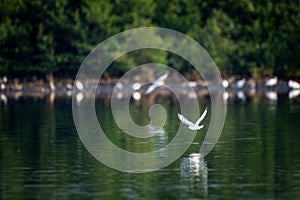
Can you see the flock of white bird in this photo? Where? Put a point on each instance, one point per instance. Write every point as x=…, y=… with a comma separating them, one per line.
x=239, y=85
x=137, y=95
x=294, y=87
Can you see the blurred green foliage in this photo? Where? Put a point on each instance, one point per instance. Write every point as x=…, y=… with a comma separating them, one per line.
x=250, y=38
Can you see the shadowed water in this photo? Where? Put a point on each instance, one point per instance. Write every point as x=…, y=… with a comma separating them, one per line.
x=256, y=157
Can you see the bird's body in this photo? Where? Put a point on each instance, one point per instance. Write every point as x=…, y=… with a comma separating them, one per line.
x=271, y=82
x=159, y=82
x=294, y=85
x=193, y=126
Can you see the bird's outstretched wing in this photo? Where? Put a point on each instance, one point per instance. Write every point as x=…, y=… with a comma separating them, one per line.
x=184, y=120
x=158, y=82
x=162, y=78
x=201, y=117
x=200, y=127
x=151, y=88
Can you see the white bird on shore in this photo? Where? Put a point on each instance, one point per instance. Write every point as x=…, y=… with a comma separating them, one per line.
x=271, y=82
x=192, y=83
x=136, y=86
x=79, y=85
x=240, y=83
x=119, y=85
x=4, y=79
x=3, y=86
x=159, y=82
x=225, y=83
x=191, y=125
x=294, y=85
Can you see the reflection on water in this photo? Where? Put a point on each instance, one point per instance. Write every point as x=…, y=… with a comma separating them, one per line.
x=256, y=157
x=160, y=138
x=294, y=94
x=194, y=173
x=272, y=96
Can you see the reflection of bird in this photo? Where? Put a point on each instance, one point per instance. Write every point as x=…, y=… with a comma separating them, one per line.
x=241, y=96
x=159, y=82
x=191, y=125
x=137, y=96
x=240, y=83
x=79, y=97
x=271, y=82
x=194, y=165
x=293, y=94
x=225, y=97
x=294, y=85
x=4, y=99
x=197, y=164
x=272, y=95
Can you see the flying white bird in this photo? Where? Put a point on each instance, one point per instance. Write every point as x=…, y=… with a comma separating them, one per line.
x=240, y=83
x=191, y=125
x=159, y=82
x=294, y=85
x=271, y=82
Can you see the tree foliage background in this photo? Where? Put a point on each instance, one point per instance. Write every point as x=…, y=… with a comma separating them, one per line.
x=249, y=37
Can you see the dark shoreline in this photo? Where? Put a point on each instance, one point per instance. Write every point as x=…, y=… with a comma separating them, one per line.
x=67, y=85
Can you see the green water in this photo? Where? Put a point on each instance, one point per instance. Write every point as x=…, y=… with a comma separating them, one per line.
x=256, y=157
